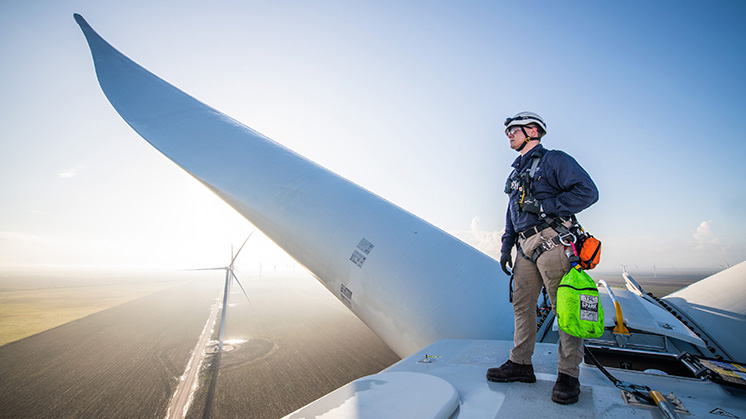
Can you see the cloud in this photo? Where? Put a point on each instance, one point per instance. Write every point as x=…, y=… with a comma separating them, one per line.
x=487, y=242
x=71, y=172
x=704, y=236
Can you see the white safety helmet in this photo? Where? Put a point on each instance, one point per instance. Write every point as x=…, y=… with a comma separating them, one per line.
x=525, y=118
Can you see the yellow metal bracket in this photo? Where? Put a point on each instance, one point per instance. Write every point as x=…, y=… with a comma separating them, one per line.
x=620, y=328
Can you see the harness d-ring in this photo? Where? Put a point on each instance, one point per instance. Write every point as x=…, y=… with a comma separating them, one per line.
x=563, y=237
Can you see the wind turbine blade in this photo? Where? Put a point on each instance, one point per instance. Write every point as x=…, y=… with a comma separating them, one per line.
x=241, y=248
x=426, y=284
x=244, y=291
x=207, y=269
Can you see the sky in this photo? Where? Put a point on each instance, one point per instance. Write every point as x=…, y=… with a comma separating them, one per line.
x=406, y=99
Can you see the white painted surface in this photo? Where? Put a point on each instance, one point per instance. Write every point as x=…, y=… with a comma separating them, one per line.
x=464, y=363
x=718, y=305
x=386, y=395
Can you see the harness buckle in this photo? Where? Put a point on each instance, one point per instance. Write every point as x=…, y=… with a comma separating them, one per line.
x=548, y=244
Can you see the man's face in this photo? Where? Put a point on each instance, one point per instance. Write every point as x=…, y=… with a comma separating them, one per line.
x=516, y=136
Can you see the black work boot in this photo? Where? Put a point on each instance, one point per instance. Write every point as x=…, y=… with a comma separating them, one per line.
x=566, y=390
x=510, y=371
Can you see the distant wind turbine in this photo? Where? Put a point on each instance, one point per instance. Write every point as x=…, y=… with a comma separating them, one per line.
x=727, y=265
x=230, y=275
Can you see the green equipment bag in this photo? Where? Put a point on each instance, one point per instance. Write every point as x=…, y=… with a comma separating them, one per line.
x=579, y=310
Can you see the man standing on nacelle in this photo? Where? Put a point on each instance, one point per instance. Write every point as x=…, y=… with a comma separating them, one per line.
x=545, y=189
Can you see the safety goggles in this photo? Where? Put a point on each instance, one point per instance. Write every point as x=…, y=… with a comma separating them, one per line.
x=512, y=130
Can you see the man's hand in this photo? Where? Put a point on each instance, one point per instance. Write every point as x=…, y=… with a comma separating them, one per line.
x=506, y=260
x=531, y=204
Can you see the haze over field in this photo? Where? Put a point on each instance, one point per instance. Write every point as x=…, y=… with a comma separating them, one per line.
x=296, y=344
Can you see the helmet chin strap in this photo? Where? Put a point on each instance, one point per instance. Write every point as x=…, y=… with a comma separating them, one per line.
x=525, y=134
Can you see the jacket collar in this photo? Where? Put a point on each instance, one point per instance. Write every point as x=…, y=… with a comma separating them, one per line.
x=521, y=161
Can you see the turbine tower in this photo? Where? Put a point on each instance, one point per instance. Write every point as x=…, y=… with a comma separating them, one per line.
x=230, y=275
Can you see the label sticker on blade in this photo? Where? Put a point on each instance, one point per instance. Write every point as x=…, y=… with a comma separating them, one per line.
x=357, y=258
x=365, y=246
x=346, y=294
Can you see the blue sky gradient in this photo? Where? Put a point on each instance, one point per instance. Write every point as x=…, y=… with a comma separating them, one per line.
x=406, y=99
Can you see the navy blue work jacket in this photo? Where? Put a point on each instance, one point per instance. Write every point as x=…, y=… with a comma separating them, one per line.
x=563, y=187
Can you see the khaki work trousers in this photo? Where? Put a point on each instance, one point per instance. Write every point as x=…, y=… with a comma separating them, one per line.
x=528, y=278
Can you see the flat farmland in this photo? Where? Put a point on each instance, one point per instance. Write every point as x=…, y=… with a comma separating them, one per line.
x=120, y=362
x=26, y=312
x=297, y=344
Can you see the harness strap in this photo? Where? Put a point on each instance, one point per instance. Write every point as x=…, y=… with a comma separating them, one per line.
x=543, y=247
x=534, y=164
x=557, y=224
x=516, y=180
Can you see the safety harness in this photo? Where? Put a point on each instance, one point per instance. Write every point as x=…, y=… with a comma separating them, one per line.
x=564, y=238
x=524, y=183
